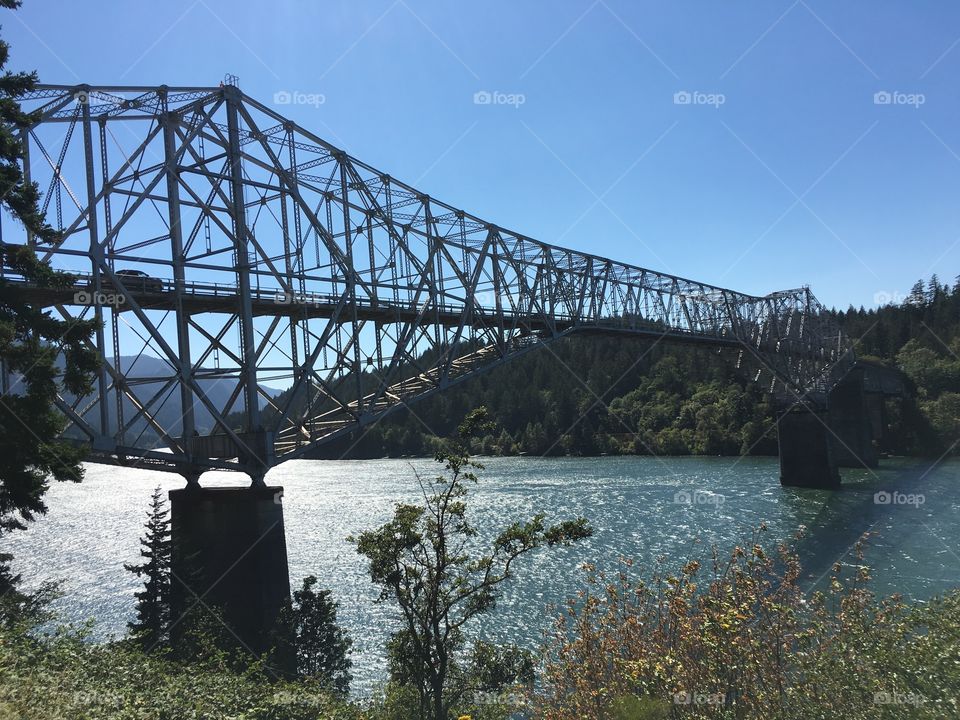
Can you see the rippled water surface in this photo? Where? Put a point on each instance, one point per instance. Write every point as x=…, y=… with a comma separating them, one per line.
x=636, y=506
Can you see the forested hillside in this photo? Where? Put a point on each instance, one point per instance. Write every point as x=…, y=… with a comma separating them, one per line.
x=921, y=336
x=611, y=395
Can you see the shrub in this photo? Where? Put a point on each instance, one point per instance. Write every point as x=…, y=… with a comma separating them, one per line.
x=743, y=640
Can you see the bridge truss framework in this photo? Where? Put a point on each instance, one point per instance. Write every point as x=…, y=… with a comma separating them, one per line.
x=268, y=255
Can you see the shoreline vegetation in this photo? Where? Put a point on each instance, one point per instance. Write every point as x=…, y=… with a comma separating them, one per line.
x=722, y=636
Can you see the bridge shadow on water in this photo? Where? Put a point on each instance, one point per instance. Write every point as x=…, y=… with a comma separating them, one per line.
x=902, y=506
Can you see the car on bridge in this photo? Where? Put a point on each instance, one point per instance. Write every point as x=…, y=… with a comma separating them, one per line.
x=134, y=281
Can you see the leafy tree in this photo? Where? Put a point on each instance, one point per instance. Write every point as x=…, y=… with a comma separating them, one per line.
x=30, y=338
x=944, y=415
x=152, y=626
x=309, y=633
x=424, y=560
x=495, y=667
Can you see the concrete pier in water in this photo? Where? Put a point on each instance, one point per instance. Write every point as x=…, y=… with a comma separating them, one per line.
x=230, y=554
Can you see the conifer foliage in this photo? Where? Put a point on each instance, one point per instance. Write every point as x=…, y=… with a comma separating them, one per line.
x=42, y=354
x=152, y=626
x=319, y=647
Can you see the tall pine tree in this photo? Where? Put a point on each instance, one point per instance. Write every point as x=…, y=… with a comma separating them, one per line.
x=152, y=626
x=30, y=337
x=30, y=341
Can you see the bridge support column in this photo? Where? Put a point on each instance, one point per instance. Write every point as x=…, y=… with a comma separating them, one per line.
x=192, y=477
x=806, y=450
x=229, y=551
x=877, y=414
x=852, y=424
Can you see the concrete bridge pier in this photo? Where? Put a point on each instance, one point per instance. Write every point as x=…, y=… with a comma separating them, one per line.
x=817, y=439
x=877, y=417
x=854, y=426
x=806, y=449
x=230, y=555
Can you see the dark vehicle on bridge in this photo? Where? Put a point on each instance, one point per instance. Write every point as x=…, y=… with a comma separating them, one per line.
x=134, y=281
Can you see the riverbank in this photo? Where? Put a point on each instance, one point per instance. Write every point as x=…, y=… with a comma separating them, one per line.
x=642, y=507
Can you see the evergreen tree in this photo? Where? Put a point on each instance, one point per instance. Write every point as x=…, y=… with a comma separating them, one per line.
x=918, y=295
x=310, y=634
x=152, y=626
x=17, y=606
x=30, y=338
x=933, y=289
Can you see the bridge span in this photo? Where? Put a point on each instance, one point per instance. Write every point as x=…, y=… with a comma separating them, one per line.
x=203, y=228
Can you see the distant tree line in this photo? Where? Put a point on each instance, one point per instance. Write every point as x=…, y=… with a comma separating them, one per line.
x=921, y=337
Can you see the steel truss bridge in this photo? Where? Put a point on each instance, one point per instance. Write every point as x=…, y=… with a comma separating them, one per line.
x=267, y=255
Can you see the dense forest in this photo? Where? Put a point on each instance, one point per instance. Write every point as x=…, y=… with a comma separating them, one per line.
x=589, y=396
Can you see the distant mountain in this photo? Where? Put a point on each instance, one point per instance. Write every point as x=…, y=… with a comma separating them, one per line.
x=147, y=376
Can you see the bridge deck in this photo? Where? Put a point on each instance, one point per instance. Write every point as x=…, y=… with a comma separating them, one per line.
x=201, y=298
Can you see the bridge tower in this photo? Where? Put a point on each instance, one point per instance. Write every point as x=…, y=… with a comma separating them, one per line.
x=229, y=543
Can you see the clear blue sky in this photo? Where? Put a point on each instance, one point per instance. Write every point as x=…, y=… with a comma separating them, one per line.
x=798, y=177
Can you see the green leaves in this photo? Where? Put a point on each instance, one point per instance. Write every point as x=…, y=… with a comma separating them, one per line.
x=568, y=532
x=63, y=677
x=426, y=562
x=310, y=633
x=477, y=423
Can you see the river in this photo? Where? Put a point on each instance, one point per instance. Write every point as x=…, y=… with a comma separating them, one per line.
x=640, y=507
